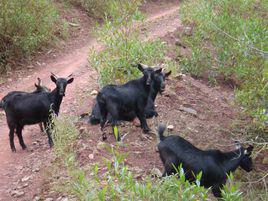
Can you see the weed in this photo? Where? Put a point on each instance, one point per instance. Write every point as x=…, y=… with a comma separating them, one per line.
x=230, y=39
x=123, y=46
x=25, y=26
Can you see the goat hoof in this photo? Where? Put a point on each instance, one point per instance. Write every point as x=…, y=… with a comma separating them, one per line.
x=146, y=130
x=104, y=137
x=14, y=150
x=24, y=147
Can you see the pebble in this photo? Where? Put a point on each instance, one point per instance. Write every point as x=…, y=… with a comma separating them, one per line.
x=94, y=92
x=170, y=127
x=16, y=193
x=101, y=145
x=36, y=198
x=48, y=199
x=156, y=172
x=188, y=110
x=26, y=178
x=91, y=156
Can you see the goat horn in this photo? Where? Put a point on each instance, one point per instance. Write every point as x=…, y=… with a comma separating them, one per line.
x=54, y=75
x=144, y=65
x=70, y=75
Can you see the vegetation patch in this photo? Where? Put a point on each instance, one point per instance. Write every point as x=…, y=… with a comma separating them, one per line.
x=228, y=39
x=123, y=46
x=25, y=26
x=112, y=179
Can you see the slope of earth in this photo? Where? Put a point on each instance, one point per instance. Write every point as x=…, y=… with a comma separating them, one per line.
x=202, y=114
x=22, y=173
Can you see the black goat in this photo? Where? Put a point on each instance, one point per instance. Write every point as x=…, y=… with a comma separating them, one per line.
x=157, y=87
x=122, y=100
x=39, y=89
x=30, y=108
x=214, y=164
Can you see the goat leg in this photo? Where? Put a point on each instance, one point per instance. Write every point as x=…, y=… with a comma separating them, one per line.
x=41, y=127
x=143, y=122
x=216, y=190
x=19, y=134
x=11, y=139
x=48, y=131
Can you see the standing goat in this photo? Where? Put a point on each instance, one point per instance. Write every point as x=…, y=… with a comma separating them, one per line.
x=157, y=87
x=39, y=89
x=30, y=108
x=128, y=100
x=214, y=164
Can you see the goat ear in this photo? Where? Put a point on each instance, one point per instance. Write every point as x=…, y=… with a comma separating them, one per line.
x=237, y=145
x=39, y=81
x=70, y=80
x=168, y=73
x=158, y=70
x=52, y=77
x=140, y=67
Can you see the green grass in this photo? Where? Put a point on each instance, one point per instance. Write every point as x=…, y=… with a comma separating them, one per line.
x=25, y=26
x=229, y=40
x=123, y=47
x=117, y=182
x=101, y=9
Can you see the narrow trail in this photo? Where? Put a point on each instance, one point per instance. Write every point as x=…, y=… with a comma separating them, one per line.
x=22, y=172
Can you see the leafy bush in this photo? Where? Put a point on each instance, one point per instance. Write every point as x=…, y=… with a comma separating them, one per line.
x=123, y=46
x=230, y=40
x=25, y=25
x=105, y=8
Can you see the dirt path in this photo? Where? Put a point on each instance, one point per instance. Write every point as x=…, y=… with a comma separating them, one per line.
x=21, y=173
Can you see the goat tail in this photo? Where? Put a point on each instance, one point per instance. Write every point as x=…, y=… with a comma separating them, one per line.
x=161, y=130
x=1, y=104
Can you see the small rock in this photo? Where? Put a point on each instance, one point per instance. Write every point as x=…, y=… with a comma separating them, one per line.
x=188, y=110
x=94, y=92
x=170, y=127
x=91, y=156
x=36, y=198
x=101, y=145
x=24, y=185
x=36, y=170
x=48, y=199
x=16, y=193
x=26, y=178
x=265, y=161
x=156, y=172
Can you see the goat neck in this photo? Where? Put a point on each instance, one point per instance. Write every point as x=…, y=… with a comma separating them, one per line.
x=231, y=160
x=56, y=99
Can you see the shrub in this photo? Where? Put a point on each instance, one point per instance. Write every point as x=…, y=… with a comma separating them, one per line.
x=25, y=26
x=101, y=9
x=123, y=47
x=230, y=40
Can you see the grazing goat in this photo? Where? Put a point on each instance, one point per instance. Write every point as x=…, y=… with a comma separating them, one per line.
x=122, y=100
x=30, y=108
x=157, y=87
x=214, y=164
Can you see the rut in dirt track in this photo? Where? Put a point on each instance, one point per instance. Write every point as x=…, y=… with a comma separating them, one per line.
x=29, y=164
